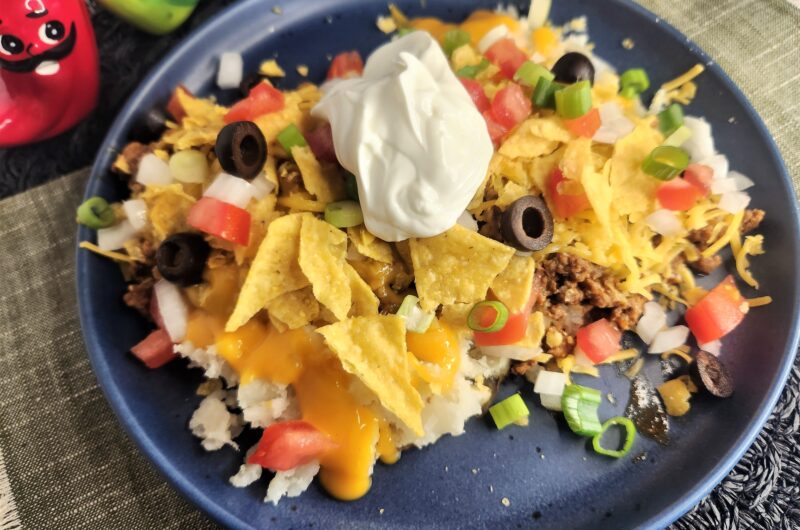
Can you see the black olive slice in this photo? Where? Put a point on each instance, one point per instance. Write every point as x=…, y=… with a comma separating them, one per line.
x=708, y=372
x=181, y=258
x=573, y=67
x=527, y=224
x=241, y=149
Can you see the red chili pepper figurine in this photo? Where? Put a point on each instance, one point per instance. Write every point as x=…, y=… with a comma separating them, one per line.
x=49, y=68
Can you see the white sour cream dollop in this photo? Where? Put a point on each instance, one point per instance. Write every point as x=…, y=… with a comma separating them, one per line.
x=409, y=132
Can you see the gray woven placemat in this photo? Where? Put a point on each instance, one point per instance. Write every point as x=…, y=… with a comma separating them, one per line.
x=67, y=462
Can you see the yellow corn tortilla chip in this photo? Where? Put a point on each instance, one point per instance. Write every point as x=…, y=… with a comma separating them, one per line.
x=513, y=285
x=167, y=209
x=535, y=137
x=323, y=182
x=370, y=246
x=262, y=213
x=374, y=350
x=456, y=266
x=510, y=192
x=456, y=314
x=275, y=270
x=294, y=309
x=634, y=189
x=295, y=110
x=365, y=302
x=322, y=251
x=271, y=68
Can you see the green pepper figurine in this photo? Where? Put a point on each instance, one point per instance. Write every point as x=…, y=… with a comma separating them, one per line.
x=154, y=16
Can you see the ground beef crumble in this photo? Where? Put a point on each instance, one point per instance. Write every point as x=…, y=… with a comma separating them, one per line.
x=143, y=277
x=705, y=265
x=133, y=153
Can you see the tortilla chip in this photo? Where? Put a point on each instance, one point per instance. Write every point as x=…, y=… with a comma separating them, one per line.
x=262, y=213
x=374, y=350
x=322, y=251
x=456, y=266
x=456, y=314
x=633, y=189
x=295, y=110
x=510, y=192
x=167, y=209
x=323, y=182
x=294, y=309
x=535, y=137
x=271, y=68
x=513, y=285
x=271, y=170
x=370, y=246
x=365, y=302
x=540, y=169
x=301, y=201
x=275, y=270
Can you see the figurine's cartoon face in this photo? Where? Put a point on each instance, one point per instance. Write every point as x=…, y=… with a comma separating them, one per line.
x=49, y=66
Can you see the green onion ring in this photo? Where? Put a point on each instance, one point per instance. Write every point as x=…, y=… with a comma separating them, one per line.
x=630, y=435
x=665, y=162
x=96, y=213
x=475, y=314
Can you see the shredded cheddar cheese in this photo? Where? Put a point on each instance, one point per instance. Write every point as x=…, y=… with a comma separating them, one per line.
x=753, y=246
x=758, y=302
x=116, y=256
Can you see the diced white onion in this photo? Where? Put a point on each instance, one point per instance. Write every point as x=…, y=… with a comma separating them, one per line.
x=720, y=186
x=669, y=339
x=718, y=164
x=136, y=212
x=613, y=124
x=550, y=383
x=517, y=353
x=467, y=221
x=538, y=12
x=153, y=171
x=659, y=102
x=734, y=201
x=714, y=347
x=114, y=237
x=230, y=189
x=494, y=35
x=653, y=320
x=551, y=402
x=417, y=320
x=172, y=309
x=701, y=145
x=231, y=70
x=261, y=187
x=743, y=182
x=664, y=222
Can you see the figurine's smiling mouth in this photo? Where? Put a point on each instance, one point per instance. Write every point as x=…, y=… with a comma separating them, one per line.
x=46, y=63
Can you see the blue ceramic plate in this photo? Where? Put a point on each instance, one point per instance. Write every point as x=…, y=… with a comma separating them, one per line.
x=550, y=476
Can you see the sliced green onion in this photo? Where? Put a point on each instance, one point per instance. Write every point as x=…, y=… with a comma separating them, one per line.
x=530, y=73
x=473, y=70
x=630, y=435
x=544, y=95
x=344, y=214
x=670, y=119
x=580, y=404
x=417, y=321
x=477, y=316
x=189, y=166
x=679, y=137
x=510, y=410
x=402, y=32
x=665, y=162
x=351, y=187
x=96, y=213
x=453, y=39
x=635, y=79
x=291, y=137
x=574, y=101
x=628, y=92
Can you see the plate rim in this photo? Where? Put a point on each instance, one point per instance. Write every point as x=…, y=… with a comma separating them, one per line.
x=196, y=495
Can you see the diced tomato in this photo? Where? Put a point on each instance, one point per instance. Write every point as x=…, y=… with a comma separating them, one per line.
x=174, y=107
x=586, y=125
x=699, y=176
x=717, y=313
x=263, y=99
x=155, y=350
x=346, y=65
x=510, y=106
x=505, y=54
x=599, y=340
x=288, y=444
x=475, y=91
x=513, y=331
x=320, y=140
x=496, y=131
x=678, y=194
x=220, y=219
x=564, y=204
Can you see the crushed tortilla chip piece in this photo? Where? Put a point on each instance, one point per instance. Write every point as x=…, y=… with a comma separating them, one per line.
x=271, y=68
x=275, y=270
x=301, y=202
x=513, y=285
x=322, y=251
x=386, y=24
x=370, y=246
x=323, y=182
x=374, y=350
x=167, y=209
x=456, y=314
x=294, y=309
x=365, y=302
x=456, y=266
x=302, y=70
x=262, y=213
x=508, y=193
x=305, y=97
x=634, y=190
x=535, y=137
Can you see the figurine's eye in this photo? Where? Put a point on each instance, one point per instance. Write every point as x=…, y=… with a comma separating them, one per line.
x=11, y=45
x=51, y=32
